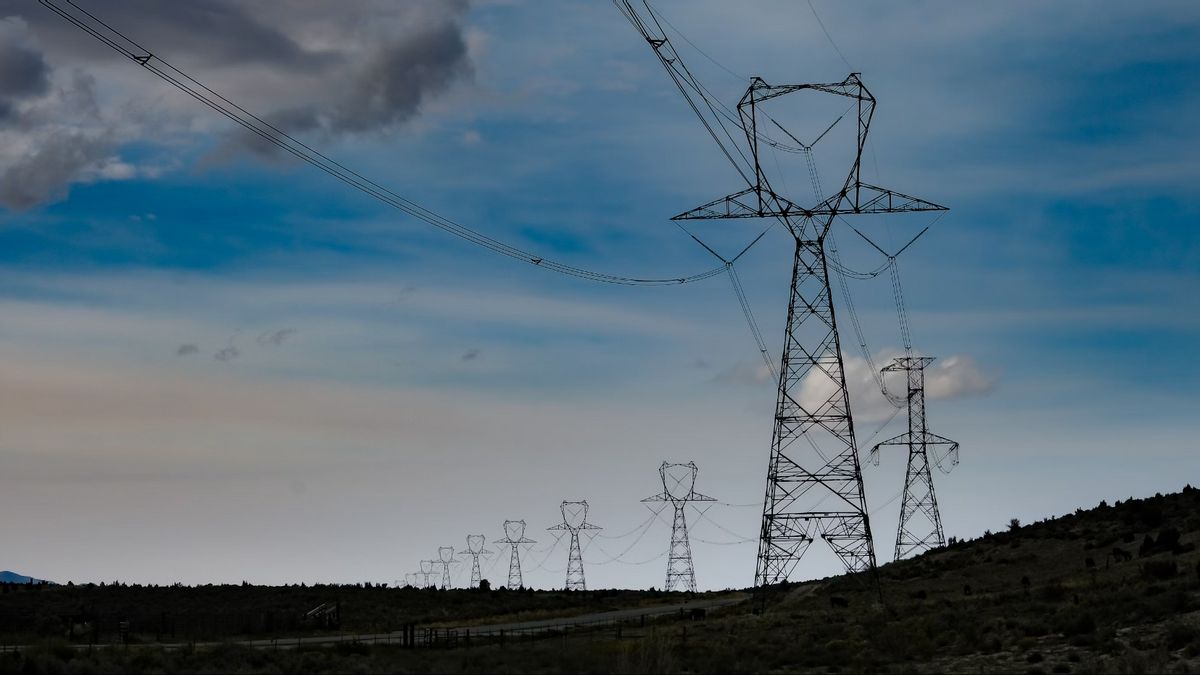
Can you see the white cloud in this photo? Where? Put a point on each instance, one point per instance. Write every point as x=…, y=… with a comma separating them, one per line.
x=956, y=376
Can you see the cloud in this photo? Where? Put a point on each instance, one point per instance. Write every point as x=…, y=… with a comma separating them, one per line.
x=50, y=136
x=44, y=173
x=331, y=69
x=227, y=354
x=952, y=377
x=948, y=378
x=186, y=350
x=399, y=76
x=955, y=377
x=23, y=70
x=470, y=355
x=274, y=338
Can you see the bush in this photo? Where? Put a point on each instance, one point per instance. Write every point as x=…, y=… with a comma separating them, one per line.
x=1180, y=635
x=1160, y=569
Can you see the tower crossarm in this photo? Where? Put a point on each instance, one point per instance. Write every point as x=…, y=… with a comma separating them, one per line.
x=862, y=198
x=753, y=202
x=901, y=439
x=522, y=540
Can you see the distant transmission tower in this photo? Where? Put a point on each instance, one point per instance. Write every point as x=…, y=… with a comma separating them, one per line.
x=679, y=481
x=814, y=478
x=426, y=573
x=475, y=549
x=514, y=535
x=920, y=522
x=445, y=559
x=575, y=521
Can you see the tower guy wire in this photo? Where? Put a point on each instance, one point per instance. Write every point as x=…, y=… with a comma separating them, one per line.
x=574, y=515
x=920, y=526
x=514, y=536
x=679, y=488
x=475, y=549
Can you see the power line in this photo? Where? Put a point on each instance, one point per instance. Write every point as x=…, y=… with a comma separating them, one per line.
x=828, y=36
x=272, y=134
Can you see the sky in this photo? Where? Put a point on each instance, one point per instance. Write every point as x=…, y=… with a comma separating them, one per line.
x=220, y=365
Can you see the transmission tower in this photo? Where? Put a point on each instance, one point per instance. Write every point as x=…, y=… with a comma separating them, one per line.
x=679, y=481
x=475, y=549
x=445, y=559
x=814, y=486
x=426, y=572
x=514, y=535
x=920, y=522
x=802, y=478
x=575, y=521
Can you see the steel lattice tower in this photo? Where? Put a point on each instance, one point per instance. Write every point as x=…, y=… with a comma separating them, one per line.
x=679, y=481
x=514, y=535
x=475, y=549
x=920, y=522
x=815, y=487
x=426, y=572
x=575, y=521
x=445, y=559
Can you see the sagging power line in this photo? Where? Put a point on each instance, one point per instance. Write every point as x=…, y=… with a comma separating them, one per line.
x=273, y=134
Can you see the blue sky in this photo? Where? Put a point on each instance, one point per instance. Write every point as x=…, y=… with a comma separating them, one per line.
x=430, y=389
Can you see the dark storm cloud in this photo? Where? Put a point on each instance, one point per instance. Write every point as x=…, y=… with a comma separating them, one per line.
x=45, y=173
x=386, y=89
x=23, y=70
x=216, y=31
x=342, y=68
x=396, y=79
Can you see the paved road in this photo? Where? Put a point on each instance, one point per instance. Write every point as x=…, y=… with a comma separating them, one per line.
x=482, y=630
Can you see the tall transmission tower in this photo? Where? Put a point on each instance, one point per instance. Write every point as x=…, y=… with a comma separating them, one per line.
x=814, y=478
x=445, y=559
x=514, y=535
x=920, y=522
x=679, y=488
x=426, y=573
x=475, y=549
x=801, y=478
x=574, y=516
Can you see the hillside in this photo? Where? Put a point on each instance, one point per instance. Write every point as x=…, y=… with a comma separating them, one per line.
x=7, y=577
x=1115, y=589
